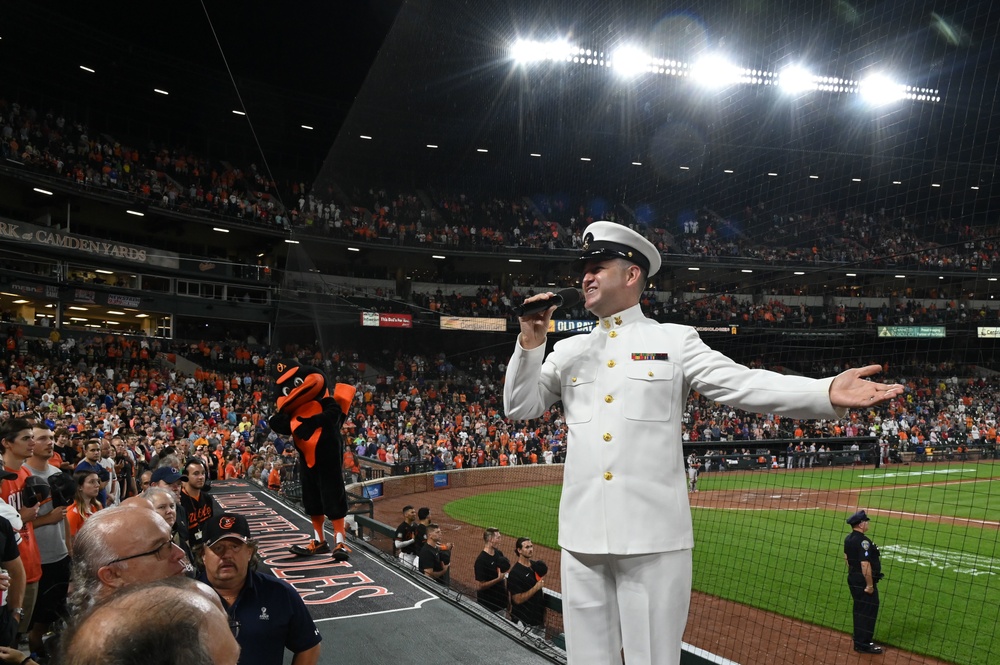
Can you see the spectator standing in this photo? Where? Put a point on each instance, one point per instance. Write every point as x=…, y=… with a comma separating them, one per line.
x=525, y=585
x=170, y=620
x=171, y=479
x=119, y=547
x=195, y=501
x=267, y=614
x=51, y=533
x=13, y=584
x=420, y=528
x=85, y=503
x=112, y=489
x=491, y=568
x=434, y=561
x=17, y=442
x=92, y=462
x=405, y=540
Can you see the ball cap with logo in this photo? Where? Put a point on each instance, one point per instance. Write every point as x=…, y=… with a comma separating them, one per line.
x=858, y=517
x=608, y=240
x=168, y=475
x=226, y=525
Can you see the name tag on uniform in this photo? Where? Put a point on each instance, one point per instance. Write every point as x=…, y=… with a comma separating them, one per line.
x=649, y=356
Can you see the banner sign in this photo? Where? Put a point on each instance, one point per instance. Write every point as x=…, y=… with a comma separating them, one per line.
x=380, y=320
x=440, y=480
x=123, y=301
x=571, y=325
x=36, y=290
x=86, y=296
x=373, y=491
x=911, y=331
x=988, y=332
x=473, y=323
x=48, y=237
x=729, y=330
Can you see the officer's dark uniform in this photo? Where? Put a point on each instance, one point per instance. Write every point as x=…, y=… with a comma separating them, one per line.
x=857, y=548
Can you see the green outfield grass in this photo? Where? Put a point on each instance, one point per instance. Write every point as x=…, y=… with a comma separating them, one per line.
x=941, y=595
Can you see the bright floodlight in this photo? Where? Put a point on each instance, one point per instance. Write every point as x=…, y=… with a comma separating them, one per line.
x=629, y=61
x=797, y=79
x=714, y=71
x=528, y=50
x=879, y=89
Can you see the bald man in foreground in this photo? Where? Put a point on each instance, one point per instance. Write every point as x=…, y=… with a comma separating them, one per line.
x=171, y=620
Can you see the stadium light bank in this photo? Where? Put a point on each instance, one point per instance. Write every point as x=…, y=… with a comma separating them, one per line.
x=715, y=71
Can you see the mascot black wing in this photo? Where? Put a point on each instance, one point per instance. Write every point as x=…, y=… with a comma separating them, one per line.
x=313, y=416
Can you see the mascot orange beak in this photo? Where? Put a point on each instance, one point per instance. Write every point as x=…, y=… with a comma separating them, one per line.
x=295, y=390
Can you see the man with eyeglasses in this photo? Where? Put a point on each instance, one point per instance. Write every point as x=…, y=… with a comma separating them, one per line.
x=266, y=614
x=119, y=547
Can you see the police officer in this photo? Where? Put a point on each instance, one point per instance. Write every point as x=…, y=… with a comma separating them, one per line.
x=864, y=572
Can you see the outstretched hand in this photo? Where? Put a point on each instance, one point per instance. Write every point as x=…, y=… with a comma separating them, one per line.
x=851, y=390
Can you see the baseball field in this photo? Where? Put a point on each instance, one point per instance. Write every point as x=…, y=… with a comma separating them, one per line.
x=773, y=540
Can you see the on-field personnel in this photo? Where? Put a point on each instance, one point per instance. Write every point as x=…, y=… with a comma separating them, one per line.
x=624, y=521
x=864, y=570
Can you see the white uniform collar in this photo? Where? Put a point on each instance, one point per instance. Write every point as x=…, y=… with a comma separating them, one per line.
x=622, y=318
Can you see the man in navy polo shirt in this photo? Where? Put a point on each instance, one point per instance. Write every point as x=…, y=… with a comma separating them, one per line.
x=92, y=462
x=266, y=614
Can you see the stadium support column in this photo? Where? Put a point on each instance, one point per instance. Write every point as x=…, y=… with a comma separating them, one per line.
x=403, y=285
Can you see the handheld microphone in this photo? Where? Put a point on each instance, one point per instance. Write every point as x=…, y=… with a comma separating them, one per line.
x=564, y=298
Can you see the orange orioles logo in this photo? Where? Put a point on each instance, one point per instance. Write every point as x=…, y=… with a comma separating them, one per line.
x=227, y=523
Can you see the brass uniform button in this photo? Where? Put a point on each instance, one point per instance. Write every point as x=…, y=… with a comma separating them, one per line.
x=612, y=334
x=607, y=436
x=609, y=399
x=651, y=374
x=611, y=363
x=573, y=379
x=607, y=475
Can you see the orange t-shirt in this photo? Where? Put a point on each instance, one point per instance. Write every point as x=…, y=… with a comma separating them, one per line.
x=274, y=479
x=76, y=519
x=10, y=491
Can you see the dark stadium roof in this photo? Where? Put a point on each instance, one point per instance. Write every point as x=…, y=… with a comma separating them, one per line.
x=438, y=72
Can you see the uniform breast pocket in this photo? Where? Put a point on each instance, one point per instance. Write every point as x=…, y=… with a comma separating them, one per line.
x=649, y=391
x=578, y=397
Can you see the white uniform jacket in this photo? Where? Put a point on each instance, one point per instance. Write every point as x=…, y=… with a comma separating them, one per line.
x=624, y=387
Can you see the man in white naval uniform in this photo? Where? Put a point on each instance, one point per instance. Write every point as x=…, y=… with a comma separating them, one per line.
x=624, y=519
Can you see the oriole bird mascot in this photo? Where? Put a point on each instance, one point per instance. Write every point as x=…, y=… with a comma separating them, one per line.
x=314, y=417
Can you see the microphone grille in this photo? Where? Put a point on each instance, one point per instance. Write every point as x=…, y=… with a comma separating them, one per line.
x=570, y=297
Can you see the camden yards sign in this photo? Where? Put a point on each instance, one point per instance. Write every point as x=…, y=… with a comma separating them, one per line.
x=331, y=589
x=96, y=247
x=380, y=320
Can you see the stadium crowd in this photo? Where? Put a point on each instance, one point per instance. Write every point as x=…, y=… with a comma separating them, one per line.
x=177, y=179
x=118, y=413
x=126, y=423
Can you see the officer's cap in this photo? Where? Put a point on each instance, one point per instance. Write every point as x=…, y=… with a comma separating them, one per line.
x=858, y=517
x=607, y=240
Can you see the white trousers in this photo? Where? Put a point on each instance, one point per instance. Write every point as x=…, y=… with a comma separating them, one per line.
x=637, y=602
